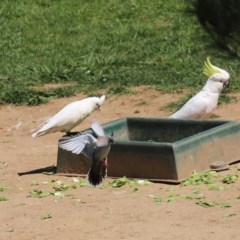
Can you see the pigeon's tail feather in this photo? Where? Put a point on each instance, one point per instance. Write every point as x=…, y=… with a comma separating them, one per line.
x=97, y=173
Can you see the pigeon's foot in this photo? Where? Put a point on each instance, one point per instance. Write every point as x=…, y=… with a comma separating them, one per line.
x=105, y=163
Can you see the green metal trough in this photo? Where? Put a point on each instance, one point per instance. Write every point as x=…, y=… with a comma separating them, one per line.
x=164, y=150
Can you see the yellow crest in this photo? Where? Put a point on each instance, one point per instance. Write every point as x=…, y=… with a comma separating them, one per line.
x=209, y=69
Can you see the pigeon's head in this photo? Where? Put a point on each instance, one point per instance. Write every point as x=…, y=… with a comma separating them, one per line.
x=218, y=78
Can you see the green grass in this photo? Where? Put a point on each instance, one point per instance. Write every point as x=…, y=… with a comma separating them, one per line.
x=108, y=45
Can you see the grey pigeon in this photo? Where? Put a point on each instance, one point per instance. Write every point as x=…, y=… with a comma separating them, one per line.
x=94, y=148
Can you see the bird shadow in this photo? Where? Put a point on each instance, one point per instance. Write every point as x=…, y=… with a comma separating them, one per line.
x=50, y=170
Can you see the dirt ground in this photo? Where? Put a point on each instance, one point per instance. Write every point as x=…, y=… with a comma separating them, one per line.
x=102, y=212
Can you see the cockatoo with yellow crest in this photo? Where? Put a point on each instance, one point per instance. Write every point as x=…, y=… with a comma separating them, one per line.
x=201, y=105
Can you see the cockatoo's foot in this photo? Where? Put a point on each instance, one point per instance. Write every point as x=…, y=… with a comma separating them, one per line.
x=70, y=134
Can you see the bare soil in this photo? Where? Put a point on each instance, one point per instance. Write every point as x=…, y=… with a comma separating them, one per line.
x=103, y=212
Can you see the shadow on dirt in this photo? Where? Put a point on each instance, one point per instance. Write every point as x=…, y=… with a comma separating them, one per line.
x=47, y=170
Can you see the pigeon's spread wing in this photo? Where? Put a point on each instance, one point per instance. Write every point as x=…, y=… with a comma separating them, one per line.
x=74, y=144
x=79, y=144
x=97, y=129
x=90, y=146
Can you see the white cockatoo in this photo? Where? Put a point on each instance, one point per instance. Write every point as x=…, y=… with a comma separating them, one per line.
x=201, y=105
x=94, y=148
x=70, y=116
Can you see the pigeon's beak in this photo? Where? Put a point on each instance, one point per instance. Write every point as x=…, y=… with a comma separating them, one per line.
x=111, y=139
x=226, y=84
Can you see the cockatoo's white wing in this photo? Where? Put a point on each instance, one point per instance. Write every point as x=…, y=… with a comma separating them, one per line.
x=84, y=144
x=70, y=116
x=64, y=119
x=197, y=107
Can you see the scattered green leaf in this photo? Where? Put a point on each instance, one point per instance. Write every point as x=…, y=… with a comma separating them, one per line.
x=2, y=188
x=197, y=196
x=230, y=179
x=197, y=178
x=61, y=187
x=46, y=216
x=226, y=205
x=171, y=197
x=157, y=199
x=206, y=204
x=80, y=182
x=39, y=193
x=2, y=198
x=119, y=182
x=58, y=194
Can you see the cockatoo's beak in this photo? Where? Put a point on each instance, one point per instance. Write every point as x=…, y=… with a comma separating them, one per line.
x=98, y=107
x=100, y=102
x=210, y=69
x=226, y=84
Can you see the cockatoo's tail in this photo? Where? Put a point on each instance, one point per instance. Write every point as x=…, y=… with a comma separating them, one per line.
x=210, y=69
